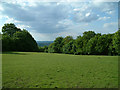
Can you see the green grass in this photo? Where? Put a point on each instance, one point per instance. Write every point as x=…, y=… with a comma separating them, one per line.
x=46, y=70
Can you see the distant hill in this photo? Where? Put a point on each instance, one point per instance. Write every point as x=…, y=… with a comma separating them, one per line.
x=44, y=43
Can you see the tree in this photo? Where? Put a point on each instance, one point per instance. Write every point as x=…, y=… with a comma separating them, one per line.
x=103, y=44
x=43, y=49
x=57, y=45
x=6, y=43
x=9, y=29
x=23, y=41
x=51, y=48
x=79, y=45
x=69, y=48
x=67, y=39
x=0, y=42
x=86, y=37
x=0, y=36
x=116, y=42
x=90, y=48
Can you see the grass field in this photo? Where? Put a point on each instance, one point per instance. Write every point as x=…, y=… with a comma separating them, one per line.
x=46, y=70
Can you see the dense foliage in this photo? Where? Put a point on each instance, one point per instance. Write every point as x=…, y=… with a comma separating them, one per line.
x=88, y=44
x=15, y=39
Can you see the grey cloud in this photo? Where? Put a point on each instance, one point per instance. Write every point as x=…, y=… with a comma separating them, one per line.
x=16, y=12
x=41, y=18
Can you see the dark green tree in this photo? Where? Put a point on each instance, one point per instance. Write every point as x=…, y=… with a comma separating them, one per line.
x=91, y=45
x=23, y=41
x=79, y=45
x=9, y=29
x=86, y=37
x=67, y=39
x=6, y=43
x=116, y=42
x=57, y=45
x=103, y=44
x=69, y=48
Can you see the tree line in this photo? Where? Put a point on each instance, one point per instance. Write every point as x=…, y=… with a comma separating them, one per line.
x=90, y=43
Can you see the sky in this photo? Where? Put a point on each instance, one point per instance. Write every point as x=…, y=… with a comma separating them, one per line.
x=50, y=19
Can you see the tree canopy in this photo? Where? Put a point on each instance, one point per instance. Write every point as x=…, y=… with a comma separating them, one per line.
x=10, y=29
x=15, y=39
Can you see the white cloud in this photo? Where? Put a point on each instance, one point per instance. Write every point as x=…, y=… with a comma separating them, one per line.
x=105, y=1
x=104, y=18
x=85, y=17
x=110, y=12
x=106, y=7
x=64, y=34
x=7, y=19
x=87, y=14
x=45, y=36
x=64, y=23
x=23, y=26
x=110, y=25
x=76, y=9
x=1, y=8
x=89, y=10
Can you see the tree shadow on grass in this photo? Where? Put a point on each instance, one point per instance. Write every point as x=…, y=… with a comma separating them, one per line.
x=17, y=53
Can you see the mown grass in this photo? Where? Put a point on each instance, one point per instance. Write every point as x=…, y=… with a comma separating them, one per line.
x=46, y=70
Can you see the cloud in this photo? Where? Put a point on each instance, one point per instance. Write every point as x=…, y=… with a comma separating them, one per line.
x=47, y=20
x=32, y=1
x=112, y=24
x=105, y=0
x=104, y=18
x=16, y=12
x=110, y=27
x=42, y=18
x=106, y=7
x=23, y=26
x=52, y=36
x=110, y=12
x=43, y=36
x=64, y=23
x=119, y=23
x=86, y=12
x=85, y=17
